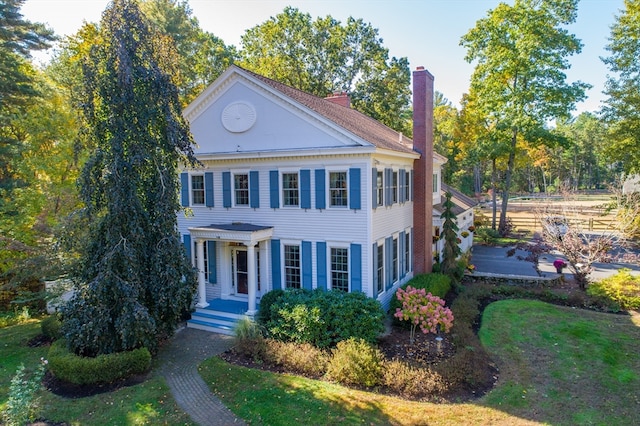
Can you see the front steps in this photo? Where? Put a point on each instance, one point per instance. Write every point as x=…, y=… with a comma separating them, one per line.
x=221, y=316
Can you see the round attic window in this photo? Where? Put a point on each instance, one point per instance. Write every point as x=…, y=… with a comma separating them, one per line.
x=238, y=117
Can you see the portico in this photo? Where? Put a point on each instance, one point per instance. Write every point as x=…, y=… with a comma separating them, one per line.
x=238, y=253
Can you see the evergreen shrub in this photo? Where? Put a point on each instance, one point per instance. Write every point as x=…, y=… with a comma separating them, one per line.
x=80, y=370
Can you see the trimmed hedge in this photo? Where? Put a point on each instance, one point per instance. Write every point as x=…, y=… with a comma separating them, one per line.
x=322, y=318
x=101, y=369
x=623, y=289
x=50, y=327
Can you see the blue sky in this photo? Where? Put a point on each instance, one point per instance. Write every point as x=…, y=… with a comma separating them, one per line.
x=427, y=32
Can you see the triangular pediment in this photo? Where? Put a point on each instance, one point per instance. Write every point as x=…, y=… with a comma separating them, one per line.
x=240, y=113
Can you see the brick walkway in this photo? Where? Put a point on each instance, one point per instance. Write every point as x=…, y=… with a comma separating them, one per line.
x=179, y=366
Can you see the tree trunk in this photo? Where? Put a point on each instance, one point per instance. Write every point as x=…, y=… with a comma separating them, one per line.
x=493, y=194
x=507, y=183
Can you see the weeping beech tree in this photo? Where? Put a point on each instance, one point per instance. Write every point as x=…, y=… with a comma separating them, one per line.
x=134, y=280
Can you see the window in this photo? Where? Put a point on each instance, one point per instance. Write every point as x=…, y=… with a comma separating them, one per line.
x=380, y=270
x=394, y=260
x=380, y=188
x=394, y=187
x=290, y=189
x=435, y=182
x=197, y=189
x=292, y=266
x=338, y=189
x=407, y=189
x=407, y=252
x=241, y=189
x=340, y=269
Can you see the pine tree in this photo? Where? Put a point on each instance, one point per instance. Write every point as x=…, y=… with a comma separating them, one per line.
x=135, y=281
x=450, y=234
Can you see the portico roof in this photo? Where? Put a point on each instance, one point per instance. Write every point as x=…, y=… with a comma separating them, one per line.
x=236, y=231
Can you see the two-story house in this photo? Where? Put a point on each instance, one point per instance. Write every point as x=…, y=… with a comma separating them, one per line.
x=297, y=191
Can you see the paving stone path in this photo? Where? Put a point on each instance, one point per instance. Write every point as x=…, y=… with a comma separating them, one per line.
x=179, y=366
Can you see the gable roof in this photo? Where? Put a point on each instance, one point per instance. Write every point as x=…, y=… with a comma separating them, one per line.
x=461, y=202
x=349, y=119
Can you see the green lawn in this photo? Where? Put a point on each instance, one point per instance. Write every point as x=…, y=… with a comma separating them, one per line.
x=557, y=366
x=149, y=403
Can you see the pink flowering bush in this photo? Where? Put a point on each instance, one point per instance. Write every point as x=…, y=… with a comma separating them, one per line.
x=423, y=310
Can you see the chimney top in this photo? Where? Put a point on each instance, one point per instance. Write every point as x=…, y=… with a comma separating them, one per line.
x=420, y=68
x=340, y=98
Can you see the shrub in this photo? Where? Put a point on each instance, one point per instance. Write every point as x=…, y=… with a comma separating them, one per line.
x=50, y=327
x=356, y=362
x=487, y=235
x=412, y=382
x=101, y=369
x=424, y=310
x=266, y=301
x=622, y=288
x=324, y=318
x=23, y=399
x=436, y=283
x=301, y=358
x=249, y=338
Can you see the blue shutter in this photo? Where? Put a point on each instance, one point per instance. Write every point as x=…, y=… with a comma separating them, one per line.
x=276, y=273
x=321, y=259
x=211, y=260
x=387, y=187
x=374, y=188
x=321, y=198
x=274, y=189
x=374, y=262
x=305, y=189
x=186, y=239
x=307, y=274
x=226, y=189
x=354, y=189
x=356, y=267
x=401, y=244
x=388, y=253
x=184, y=189
x=254, y=189
x=401, y=184
x=208, y=189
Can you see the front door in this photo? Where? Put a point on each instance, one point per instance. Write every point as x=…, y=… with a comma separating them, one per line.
x=240, y=274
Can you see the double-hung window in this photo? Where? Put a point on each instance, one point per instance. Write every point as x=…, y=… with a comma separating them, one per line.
x=340, y=269
x=290, y=189
x=407, y=252
x=435, y=182
x=338, y=189
x=407, y=189
x=241, y=189
x=292, y=266
x=197, y=189
x=380, y=188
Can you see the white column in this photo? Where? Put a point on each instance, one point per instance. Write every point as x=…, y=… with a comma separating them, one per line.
x=251, y=277
x=202, y=288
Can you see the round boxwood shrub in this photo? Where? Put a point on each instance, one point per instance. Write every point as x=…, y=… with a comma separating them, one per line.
x=72, y=368
x=50, y=327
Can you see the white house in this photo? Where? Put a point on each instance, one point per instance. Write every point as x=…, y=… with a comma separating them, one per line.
x=304, y=192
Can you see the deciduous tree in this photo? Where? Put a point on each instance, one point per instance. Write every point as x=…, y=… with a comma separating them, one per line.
x=518, y=83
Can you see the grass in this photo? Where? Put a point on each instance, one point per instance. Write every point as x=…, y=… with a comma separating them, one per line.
x=148, y=403
x=558, y=366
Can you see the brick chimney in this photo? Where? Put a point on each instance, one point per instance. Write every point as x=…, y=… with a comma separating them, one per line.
x=340, y=98
x=423, y=171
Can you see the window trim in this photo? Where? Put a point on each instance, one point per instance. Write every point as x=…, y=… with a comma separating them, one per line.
x=330, y=264
x=407, y=183
x=235, y=190
x=379, y=188
x=297, y=189
x=380, y=267
x=395, y=258
x=285, y=267
x=345, y=189
x=394, y=187
x=192, y=190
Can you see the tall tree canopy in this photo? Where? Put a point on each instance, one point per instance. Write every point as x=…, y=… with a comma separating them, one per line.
x=323, y=56
x=622, y=107
x=518, y=83
x=134, y=280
